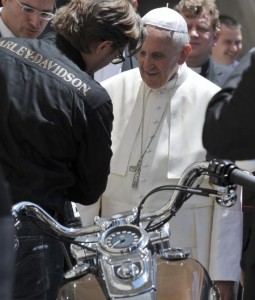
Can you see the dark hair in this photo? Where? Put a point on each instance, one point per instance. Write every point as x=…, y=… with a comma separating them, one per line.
x=196, y=7
x=229, y=22
x=85, y=23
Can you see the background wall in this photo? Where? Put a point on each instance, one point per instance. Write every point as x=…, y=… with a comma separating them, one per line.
x=242, y=10
x=145, y=5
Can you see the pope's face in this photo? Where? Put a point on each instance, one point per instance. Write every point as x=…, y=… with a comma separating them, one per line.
x=24, y=25
x=158, y=58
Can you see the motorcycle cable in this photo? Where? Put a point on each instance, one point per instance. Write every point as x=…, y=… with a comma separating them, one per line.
x=185, y=189
x=189, y=181
x=150, y=227
x=182, y=197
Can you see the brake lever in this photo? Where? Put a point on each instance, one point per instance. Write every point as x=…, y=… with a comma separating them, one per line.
x=219, y=172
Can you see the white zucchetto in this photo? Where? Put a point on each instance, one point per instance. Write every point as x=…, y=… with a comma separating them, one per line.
x=166, y=18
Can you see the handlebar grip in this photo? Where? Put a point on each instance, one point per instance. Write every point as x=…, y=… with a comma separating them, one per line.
x=243, y=178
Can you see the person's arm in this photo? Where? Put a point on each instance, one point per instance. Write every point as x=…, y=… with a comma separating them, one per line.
x=94, y=153
x=229, y=121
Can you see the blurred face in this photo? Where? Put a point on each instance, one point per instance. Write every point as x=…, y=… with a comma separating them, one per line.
x=158, y=58
x=202, y=38
x=24, y=25
x=228, y=45
x=102, y=55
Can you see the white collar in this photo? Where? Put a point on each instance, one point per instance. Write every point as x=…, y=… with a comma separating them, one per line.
x=121, y=157
x=4, y=30
x=197, y=69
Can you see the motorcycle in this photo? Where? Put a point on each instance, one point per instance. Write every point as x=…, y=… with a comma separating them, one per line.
x=128, y=255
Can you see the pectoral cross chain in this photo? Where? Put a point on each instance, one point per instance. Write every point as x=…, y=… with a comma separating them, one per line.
x=137, y=170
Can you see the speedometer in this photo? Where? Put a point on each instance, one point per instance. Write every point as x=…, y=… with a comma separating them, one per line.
x=124, y=238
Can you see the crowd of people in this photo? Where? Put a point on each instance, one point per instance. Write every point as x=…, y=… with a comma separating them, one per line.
x=171, y=91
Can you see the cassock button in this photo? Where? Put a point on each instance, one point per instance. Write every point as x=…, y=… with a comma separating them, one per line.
x=145, y=166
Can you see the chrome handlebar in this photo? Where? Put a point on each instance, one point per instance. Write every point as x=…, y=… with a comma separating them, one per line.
x=41, y=214
x=224, y=196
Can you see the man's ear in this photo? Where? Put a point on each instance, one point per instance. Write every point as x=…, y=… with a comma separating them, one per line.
x=103, y=46
x=135, y=4
x=185, y=51
x=4, y=2
x=216, y=36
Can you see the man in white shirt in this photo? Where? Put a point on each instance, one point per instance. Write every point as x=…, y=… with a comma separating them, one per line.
x=159, y=113
x=25, y=18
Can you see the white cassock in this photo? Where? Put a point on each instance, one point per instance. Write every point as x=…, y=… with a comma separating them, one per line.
x=175, y=115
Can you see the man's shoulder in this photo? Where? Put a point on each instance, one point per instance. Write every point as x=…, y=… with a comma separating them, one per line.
x=35, y=52
x=245, y=65
x=41, y=53
x=218, y=72
x=128, y=81
x=47, y=61
x=199, y=82
x=221, y=69
x=125, y=77
x=124, y=86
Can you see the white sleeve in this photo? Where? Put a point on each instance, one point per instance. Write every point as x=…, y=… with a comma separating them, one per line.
x=226, y=241
x=88, y=213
